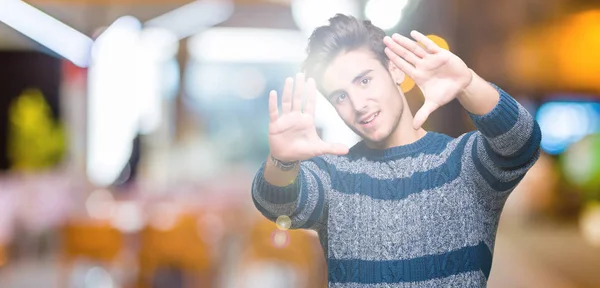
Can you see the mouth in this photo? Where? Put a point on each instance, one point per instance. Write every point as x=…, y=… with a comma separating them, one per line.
x=369, y=119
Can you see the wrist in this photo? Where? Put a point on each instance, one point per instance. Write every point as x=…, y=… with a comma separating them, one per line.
x=479, y=97
x=283, y=164
x=468, y=87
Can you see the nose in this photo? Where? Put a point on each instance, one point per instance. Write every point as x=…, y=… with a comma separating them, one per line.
x=359, y=104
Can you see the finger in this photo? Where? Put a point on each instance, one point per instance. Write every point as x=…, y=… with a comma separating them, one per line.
x=298, y=92
x=334, y=148
x=423, y=113
x=409, y=44
x=286, y=96
x=401, y=51
x=311, y=96
x=428, y=43
x=273, y=109
x=406, y=67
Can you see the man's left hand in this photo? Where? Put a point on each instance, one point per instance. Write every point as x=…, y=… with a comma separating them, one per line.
x=439, y=73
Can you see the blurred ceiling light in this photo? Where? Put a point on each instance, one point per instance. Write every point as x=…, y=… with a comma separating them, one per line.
x=46, y=30
x=385, y=14
x=156, y=47
x=124, y=31
x=126, y=82
x=310, y=14
x=158, y=43
x=113, y=117
x=248, y=45
x=193, y=17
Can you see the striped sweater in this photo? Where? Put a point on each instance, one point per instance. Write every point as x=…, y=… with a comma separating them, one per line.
x=419, y=215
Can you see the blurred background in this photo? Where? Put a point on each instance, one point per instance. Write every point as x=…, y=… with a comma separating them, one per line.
x=130, y=133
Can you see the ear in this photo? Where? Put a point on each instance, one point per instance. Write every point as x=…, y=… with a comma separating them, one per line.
x=397, y=74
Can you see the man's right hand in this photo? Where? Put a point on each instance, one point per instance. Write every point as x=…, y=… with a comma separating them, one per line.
x=292, y=134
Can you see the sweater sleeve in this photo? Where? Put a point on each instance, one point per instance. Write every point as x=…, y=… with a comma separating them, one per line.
x=505, y=146
x=304, y=200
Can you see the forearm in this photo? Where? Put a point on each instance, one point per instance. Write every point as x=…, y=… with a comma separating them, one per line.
x=508, y=129
x=505, y=146
x=508, y=138
x=479, y=97
x=278, y=177
x=302, y=198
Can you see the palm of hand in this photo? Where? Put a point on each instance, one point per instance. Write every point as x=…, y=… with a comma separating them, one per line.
x=293, y=135
x=439, y=73
x=441, y=76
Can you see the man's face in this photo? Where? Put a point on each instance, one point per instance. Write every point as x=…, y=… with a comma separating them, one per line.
x=364, y=94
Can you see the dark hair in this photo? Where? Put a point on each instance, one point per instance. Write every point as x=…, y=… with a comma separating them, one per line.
x=343, y=34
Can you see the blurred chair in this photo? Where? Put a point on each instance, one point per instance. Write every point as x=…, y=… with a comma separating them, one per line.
x=3, y=255
x=176, y=248
x=290, y=258
x=97, y=241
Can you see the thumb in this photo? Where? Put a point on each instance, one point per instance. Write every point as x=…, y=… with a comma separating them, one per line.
x=423, y=113
x=334, y=148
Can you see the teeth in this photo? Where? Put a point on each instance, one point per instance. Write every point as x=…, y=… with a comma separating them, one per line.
x=370, y=119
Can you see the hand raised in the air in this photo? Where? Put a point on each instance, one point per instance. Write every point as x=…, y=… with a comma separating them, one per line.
x=439, y=73
x=292, y=133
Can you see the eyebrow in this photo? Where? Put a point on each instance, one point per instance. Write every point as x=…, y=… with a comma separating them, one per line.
x=356, y=79
x=361, y=75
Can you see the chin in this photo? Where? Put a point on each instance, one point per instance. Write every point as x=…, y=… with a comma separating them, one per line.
x=376, y=140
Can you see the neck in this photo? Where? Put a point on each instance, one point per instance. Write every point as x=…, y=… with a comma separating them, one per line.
x=403, y=135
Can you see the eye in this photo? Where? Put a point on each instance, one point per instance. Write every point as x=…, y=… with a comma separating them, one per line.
x=365, y=81
x=341, y=98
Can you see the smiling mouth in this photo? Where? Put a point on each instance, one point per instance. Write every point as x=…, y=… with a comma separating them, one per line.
x=370, y=119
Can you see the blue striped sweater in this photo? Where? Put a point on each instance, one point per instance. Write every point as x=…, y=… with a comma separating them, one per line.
x=418, y=215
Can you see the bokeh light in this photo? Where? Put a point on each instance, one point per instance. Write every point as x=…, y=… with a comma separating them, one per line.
x=439, y=41
x=128, y=217
x=589, y=223
x=280, y=239
x=283, y=222
x=581, y=163
x=100, y=204
x=407, y=85
x=564, y=123
x=164, y=216
x=98, y=277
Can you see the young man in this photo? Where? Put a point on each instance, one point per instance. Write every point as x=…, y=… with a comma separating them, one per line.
x=403, y=207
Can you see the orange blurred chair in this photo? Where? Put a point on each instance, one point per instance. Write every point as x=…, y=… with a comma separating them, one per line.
x=179, y=246
x=295, y=255
x=3, y=255
x=97, y=241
